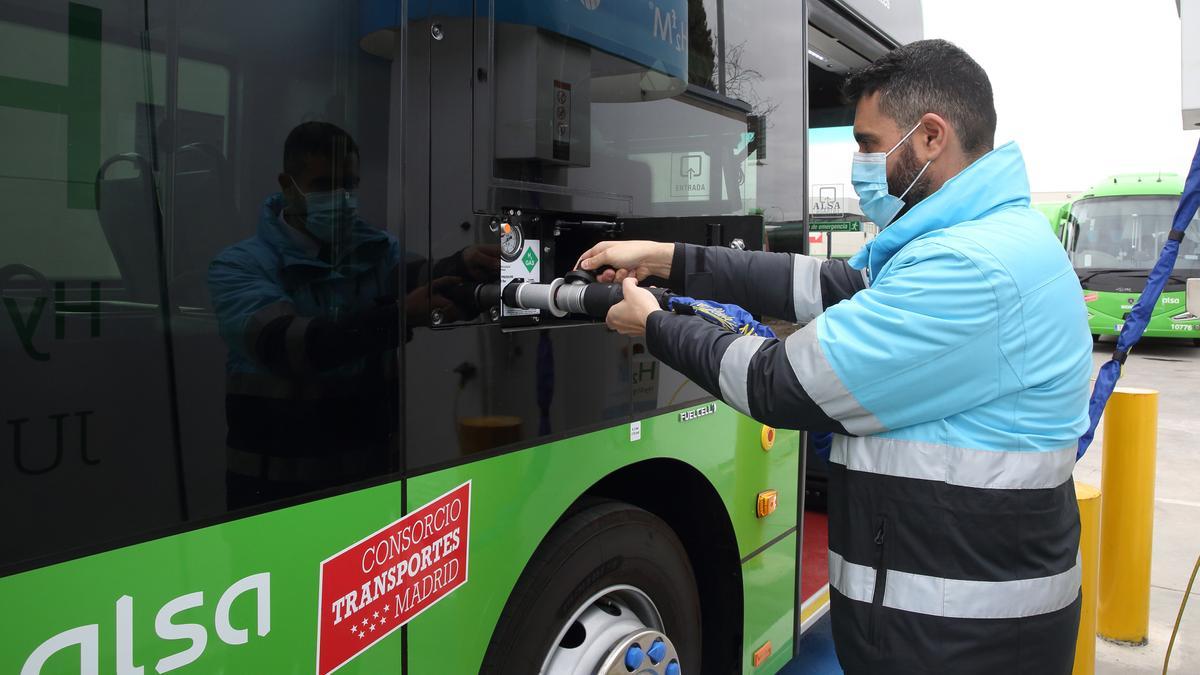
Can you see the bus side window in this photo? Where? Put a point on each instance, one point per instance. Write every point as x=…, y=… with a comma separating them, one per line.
x=85, y=414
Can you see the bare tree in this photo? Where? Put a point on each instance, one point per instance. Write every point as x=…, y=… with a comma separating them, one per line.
x=741, y=81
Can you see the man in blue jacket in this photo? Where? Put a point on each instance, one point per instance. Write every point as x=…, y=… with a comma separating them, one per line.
x=950, y=356
x=310, y=310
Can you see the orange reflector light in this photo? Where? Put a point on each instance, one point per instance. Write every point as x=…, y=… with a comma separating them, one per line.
x=768, y=500
x=506, y=227
x=762, y=654
x=768, y=437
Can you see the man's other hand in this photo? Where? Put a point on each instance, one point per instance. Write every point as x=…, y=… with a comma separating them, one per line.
x=482, y=262
x=639, y=259
x=628, y=317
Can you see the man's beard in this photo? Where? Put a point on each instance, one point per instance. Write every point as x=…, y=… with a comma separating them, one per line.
x=907, y=170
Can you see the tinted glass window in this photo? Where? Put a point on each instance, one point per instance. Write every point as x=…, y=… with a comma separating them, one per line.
x=721, y=133
x=757, y=33
x=1126, y=233
x=201, y=297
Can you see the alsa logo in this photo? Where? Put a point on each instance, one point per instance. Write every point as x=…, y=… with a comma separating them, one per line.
x=1171, y=300
x=87, y=638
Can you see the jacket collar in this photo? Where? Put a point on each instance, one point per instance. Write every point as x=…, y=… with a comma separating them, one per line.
x=995, y=181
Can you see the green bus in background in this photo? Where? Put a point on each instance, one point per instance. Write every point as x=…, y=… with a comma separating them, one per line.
x=236, y=445
x=1114, y=234
x=1055, y=213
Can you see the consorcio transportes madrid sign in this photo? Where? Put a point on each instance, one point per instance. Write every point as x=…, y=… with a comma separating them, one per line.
x=385, y=580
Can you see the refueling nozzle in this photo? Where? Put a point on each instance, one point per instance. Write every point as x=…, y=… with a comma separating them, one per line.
x=577, y=292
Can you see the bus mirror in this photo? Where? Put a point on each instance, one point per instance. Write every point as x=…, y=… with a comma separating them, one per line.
x=1193, y=296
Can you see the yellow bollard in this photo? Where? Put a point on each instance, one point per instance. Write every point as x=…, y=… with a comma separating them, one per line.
x=1127, y=514
x=1089, y=552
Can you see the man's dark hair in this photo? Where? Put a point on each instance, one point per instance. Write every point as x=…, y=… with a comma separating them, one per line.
x=931, y=76
x=320, y=139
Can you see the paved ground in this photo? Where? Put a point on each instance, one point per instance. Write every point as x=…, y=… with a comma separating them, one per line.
x=1173, y=368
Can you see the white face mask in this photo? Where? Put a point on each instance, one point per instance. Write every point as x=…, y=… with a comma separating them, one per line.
x=869, y=176
x=328, y=212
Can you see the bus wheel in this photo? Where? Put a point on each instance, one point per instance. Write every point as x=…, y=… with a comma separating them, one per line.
x=609, y=591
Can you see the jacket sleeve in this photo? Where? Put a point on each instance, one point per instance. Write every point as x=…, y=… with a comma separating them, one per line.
x=789, y=286
x=247, y=300
x=921, y=345
x=717, y=360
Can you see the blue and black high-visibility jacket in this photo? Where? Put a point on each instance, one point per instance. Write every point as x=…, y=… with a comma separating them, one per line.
x=310, y=375
x=951, y=358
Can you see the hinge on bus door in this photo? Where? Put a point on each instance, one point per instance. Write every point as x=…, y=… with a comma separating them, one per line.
x=714, y=235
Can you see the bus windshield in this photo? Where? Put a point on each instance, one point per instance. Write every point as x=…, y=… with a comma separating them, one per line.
x=1126, y=233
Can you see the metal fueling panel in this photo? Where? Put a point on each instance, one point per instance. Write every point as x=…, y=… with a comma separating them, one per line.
x=543, y=97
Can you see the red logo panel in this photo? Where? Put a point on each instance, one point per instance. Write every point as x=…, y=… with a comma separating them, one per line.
x=384, y=581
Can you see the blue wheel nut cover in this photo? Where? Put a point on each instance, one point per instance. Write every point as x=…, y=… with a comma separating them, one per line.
x=657, y=651
x=633, y=657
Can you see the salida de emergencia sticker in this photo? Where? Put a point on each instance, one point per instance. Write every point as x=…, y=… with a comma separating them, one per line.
x=385, y=580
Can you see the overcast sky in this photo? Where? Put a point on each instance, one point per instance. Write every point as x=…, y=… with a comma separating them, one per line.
x=1087, y=88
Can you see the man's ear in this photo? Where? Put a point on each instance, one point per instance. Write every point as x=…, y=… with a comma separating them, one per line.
x=935, y=137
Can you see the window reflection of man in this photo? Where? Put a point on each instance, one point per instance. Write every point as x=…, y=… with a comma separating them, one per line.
x=308, y=308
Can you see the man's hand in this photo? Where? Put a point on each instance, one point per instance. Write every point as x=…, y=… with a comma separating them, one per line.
x=482, y=262
x=422, y=300
x=639, y=259
x=628, y=317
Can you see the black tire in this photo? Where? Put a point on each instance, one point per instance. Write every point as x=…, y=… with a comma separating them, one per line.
x=601, y=545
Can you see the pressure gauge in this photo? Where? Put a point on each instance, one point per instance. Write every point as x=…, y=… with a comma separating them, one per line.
x=512, y=241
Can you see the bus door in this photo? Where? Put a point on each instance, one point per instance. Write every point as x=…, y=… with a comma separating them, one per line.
x=541, y=130
x=841, y=35
x=545, y=129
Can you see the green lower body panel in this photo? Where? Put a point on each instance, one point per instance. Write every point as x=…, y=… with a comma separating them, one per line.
x=768, y=577
x=516, y=498
x=240, y=597
x=253, y=595
x=1107, y=312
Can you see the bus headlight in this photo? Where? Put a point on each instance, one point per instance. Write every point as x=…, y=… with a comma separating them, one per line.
x=1186, y=316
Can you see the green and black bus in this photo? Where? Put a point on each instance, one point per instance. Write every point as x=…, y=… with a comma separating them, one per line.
x=263, y=411
x=1114, y=234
